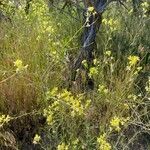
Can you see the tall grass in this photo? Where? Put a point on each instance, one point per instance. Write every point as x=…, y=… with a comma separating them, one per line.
x=112, y=116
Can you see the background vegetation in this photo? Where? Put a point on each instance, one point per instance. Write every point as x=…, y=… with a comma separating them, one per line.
x=39, y=109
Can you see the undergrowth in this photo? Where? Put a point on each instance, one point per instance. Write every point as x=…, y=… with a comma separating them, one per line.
x=36, y=53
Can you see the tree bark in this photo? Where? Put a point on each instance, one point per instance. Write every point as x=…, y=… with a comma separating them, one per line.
x=89, y=40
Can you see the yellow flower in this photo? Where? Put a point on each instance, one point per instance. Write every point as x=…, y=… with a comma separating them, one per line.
x=75, y=142
x=62, y=147
x=111, y=22
x=104, y=21
x=88, y=102
x=93, y=71
x=54, y=91
x=103, y=144
x=96, y=62
x=145, y=4
x=132, y=97
x=84, y=62
x=133, y=60
x=90, y=9
x=4, y=119
x=49, y=119
x=18, y=63
x=108, y=53
x=102, y=89
x=36, y=139
x=115, y=123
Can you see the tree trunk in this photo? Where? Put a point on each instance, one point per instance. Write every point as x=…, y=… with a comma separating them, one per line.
x=89, y=42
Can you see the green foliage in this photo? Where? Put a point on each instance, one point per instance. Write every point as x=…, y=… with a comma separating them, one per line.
x=35, y=62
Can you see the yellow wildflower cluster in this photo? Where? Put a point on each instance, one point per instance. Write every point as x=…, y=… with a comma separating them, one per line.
x=133, y=60
x=103, y=144
x=108, y=53
x=132, y=97
x=75, y=103
x=93, y=71
x=19, y=64
x=102, y=89
x=145, y=8
x=36, y=139
x=96, y=62
x=65, y=102
x=7, y=6
x=117, y=122
x=109, y=60
x=39, y=8
x=4, y=119
x=90, y=11
x=62, y=146
x=39, y=11
x=84, y=63
x=112, y=24
x=75, y=142
x=133, y=66
x=49, y=116
x=52, y=93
